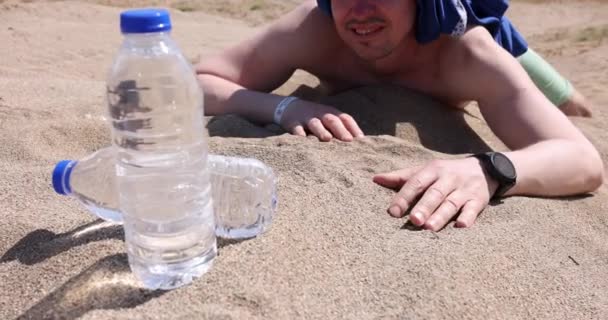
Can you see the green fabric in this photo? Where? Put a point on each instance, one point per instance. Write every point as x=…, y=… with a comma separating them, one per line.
x=555, y=87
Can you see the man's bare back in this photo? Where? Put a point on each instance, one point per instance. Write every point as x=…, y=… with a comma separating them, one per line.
x=338, y=68
x=423, y=74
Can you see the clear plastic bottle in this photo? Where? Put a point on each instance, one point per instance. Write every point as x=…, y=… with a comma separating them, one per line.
x=244, y=196
x=156, y=110
x=243, y=189
x=92, y=181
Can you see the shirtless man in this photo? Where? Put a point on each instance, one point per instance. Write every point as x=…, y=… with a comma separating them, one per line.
x=368, y=42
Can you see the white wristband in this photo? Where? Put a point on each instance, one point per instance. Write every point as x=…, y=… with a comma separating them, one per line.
x=281, y=107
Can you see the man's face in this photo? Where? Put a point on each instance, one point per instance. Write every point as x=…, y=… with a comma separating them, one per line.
x=373, y=28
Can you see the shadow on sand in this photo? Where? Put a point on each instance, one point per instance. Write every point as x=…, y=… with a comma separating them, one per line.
x=42, y=244
x=107, y=284
x=379, y=110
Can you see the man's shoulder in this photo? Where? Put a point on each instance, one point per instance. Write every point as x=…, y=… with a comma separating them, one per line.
x=474, y=48
x=304, y=21
x=476, y=67
x=306, y=32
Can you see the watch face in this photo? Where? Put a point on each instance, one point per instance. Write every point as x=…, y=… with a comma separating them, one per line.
x=504, y=165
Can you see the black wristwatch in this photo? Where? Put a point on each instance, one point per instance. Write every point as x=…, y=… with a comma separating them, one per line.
x=500, y=168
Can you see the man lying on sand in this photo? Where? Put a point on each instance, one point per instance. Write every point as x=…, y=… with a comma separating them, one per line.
x=422, y=45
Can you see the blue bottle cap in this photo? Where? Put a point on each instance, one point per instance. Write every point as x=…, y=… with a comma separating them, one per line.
x=145, y=21
x=61, y=176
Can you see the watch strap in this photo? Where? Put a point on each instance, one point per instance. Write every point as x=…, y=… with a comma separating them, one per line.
x=486, y=163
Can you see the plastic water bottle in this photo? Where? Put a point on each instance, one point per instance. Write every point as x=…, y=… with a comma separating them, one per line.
x=243, y=189
x=244, y=196
x=91, y=180
x=156, y=112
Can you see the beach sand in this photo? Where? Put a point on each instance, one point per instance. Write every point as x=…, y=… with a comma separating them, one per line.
x=333, y=252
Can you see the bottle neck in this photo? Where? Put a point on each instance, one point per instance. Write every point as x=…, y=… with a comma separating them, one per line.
x=146, y=39
x=146, y=35
x=149, y=44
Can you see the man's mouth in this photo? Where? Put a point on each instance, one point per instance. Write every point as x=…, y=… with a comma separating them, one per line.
x=366, y=29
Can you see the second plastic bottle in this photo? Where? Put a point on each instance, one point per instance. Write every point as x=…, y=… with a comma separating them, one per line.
x=243, y=190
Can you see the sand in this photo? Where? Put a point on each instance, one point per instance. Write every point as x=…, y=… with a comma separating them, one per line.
x=332, y=252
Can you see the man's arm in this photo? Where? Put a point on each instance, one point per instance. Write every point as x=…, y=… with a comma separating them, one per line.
x=259, y=64
x=551, y=156
x=239, y=79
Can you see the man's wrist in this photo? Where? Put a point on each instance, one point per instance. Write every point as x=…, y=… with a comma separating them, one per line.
x=493, y=184
x=281, y=107
x=499, y=171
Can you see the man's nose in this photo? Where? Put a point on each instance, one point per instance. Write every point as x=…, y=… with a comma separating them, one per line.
x=363, y=8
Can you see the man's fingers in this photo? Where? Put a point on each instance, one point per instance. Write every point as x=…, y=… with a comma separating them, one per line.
x=337, y=128
x=395, y=179
x=433, y=197
x=413, y=188
x=316, y=127
x=586, y=113
x=351, y=125
x=298, y=130
x=469, y=213
x=446, y=211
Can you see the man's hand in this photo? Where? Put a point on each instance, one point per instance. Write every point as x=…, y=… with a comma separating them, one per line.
x=322, y=121
x=576, y=106
x=444, y=188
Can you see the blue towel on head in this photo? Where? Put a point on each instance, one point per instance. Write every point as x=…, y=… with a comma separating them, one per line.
x=436, y=17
